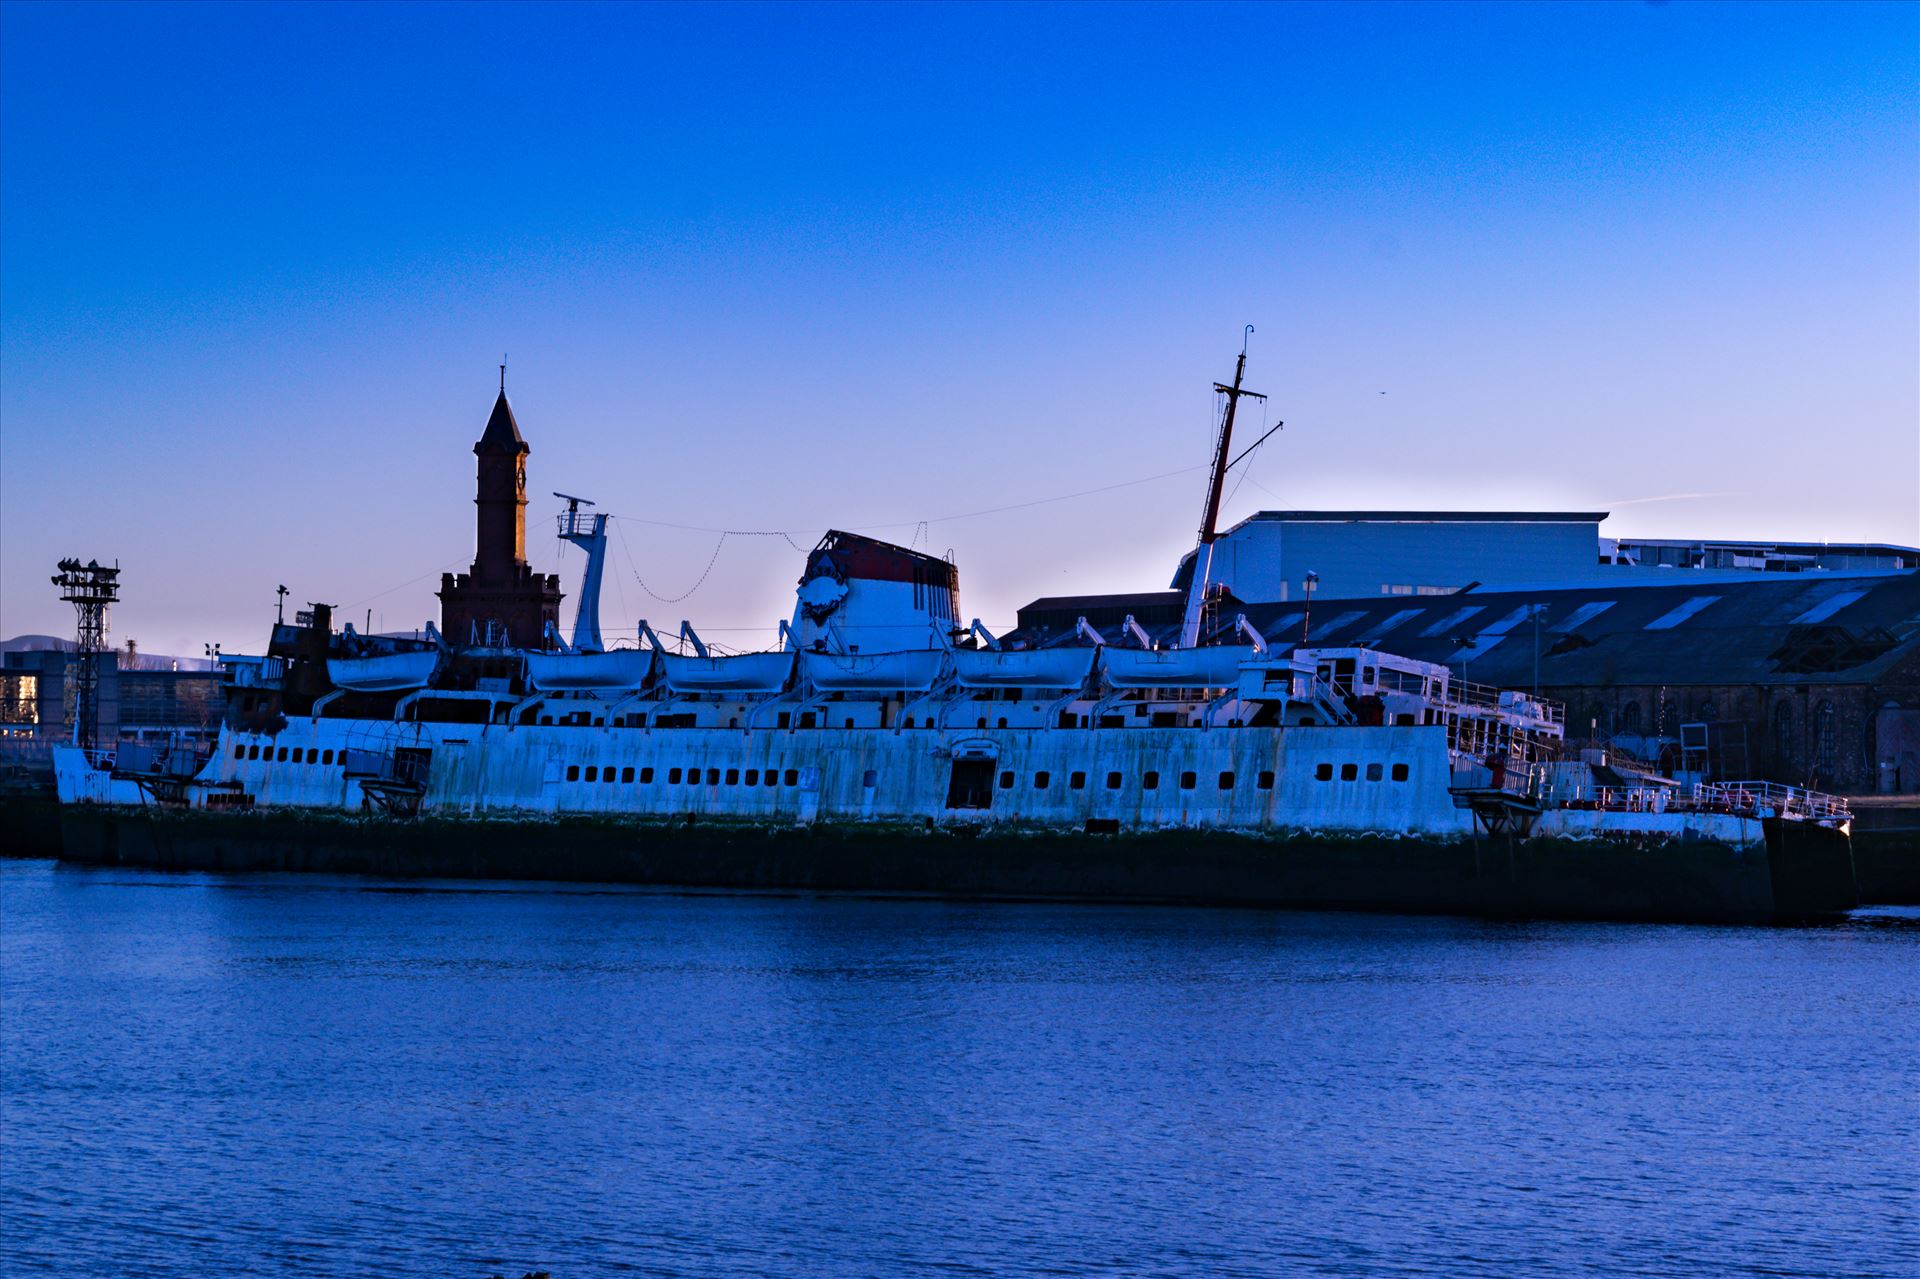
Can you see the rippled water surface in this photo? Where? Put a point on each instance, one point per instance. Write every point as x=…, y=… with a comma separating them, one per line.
x=294, y=1075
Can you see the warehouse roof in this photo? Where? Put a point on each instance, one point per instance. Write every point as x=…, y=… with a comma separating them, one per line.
x=1794, y=628
x=1430, y=517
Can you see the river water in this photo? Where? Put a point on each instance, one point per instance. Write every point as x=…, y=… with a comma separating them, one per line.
x=292, y=1075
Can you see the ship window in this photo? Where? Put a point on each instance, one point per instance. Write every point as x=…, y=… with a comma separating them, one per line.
x=849, y=723
x=753, y=777
x=909, y=723
x=1113, y=781
x=1375, y=772
x=606, y=774
x=593, y=773
x=283, y=755
x=1040, y=780
x=1006, y=780
x=239, y=752
x=792, y=777
x=999, y=723
x=1077, y=781
x=250, y=752
x=1150, y=780
x=1226, y=781
x=1265, y=781
x=573, y=772
x=870, y=779
x=326, y=757
x=626, y=775
x=1399, y=772
x=1323, y=772
x=713, y=777
x=1348, y=772
x=785, y=720
x=546, y=719
x=773, y=778
x=1187, y=781
x=673, y=777
x=646, y=775
x=733, y=777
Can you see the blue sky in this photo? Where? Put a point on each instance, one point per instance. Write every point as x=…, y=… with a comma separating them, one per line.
x=785, y=267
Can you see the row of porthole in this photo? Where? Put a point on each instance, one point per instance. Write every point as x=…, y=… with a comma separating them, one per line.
x=1351, y=772
x=677, y=777
x=308, y=755
x=1149, y=780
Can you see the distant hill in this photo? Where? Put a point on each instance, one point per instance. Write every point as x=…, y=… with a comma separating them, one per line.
x=36, y=644
x=136, y=661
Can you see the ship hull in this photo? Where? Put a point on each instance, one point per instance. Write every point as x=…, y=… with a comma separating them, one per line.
x=1793, y=874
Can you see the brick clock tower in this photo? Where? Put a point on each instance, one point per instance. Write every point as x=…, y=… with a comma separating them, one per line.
x=501, y=602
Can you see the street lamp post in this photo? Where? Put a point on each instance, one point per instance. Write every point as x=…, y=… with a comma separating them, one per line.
x=1306, y=617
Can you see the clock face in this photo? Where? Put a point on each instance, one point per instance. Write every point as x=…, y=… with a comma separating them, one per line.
x=520, y=482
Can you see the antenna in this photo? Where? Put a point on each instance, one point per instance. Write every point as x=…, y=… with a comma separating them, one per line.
x=503, y=372
x=1210, y=517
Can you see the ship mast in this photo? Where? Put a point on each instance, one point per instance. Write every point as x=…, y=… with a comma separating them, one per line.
x=1210, y=519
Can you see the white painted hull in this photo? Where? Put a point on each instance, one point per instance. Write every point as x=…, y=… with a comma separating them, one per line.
x=1391, y=780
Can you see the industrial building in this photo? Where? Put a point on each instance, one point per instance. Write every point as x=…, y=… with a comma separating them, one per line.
x=1269, y=556
x=140, y=697
x=1809, y=678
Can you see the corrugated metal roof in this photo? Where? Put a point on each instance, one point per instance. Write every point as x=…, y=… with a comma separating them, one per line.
x=1748, y=632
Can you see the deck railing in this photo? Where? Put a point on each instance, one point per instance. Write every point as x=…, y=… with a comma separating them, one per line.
x=1754, y=799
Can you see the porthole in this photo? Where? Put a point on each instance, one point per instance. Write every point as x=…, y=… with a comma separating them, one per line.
x=1150, y=780
x=733, y=777
x=1006, y=780
x=593, y=773
x=1040, y=780
x=646, y=776
x=626, y=775
x=753, y=777
x=1265, y=781
x=1188, y=781
x=673, y=777
x=1077, y=781
x=1349, y=772
x=1113, y=781
x=1374, y=772
x=1399, y=772
x=573, y=772
x=1323, y=772
x=1226, y=781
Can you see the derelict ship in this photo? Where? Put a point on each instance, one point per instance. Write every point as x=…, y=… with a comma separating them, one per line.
x=884, y=746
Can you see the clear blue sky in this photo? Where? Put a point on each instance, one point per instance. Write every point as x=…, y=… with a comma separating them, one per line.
x=786, y=267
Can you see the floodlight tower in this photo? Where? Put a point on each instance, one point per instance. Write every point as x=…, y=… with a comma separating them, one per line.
x=91, y=589
x=588, y=531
